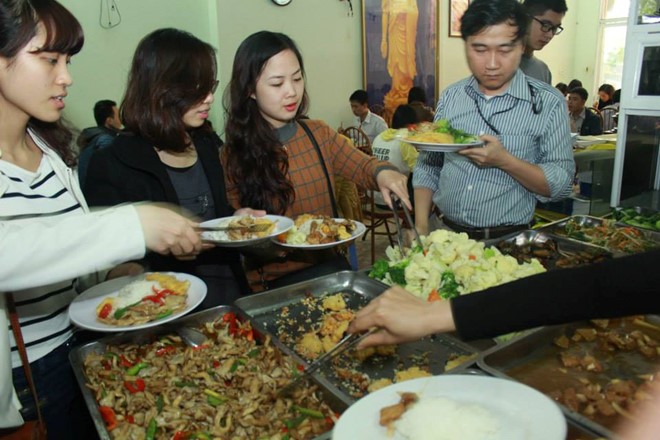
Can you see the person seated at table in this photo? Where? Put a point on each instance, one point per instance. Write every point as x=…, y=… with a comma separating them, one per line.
x=389, y=148
x=582, y=120
x=370, y=123
x=91, y=139
x=574, y=83
x=168, y=153
x=417, y=100
x=605, y=96
x=562, y=87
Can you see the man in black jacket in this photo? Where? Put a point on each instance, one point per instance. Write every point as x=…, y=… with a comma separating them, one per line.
x=108, y=125
x=583, y=121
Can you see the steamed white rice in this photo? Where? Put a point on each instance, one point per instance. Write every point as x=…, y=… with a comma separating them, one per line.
x=439, y=418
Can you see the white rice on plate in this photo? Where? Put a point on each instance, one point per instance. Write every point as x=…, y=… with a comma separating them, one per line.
x=440, y=418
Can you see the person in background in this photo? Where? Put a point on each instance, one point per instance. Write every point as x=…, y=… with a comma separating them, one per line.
x=545, y=18
x=417, y=100
x=278, y=162
x=91, y=139
x=389, y=148
x=370, y=123
x=168, y=153
x=605, y=96
x=610, y=112
x=527, y=157
x=574, y=83
x=582, y=120
x=562, y=87
x=48, y=235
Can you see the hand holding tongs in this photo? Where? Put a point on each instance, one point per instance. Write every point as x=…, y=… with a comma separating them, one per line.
x=346, y=342
x=397, y=201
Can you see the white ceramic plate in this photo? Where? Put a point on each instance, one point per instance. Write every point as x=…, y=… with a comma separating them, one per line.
x=360, y=229
x=82, y=310
x=523, y=412
x=220, y=238
x=442, y=148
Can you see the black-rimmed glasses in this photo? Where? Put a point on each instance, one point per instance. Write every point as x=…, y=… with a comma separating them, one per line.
x=546, y=26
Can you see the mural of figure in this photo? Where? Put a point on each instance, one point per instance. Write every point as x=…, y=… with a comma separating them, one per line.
x=399, y=35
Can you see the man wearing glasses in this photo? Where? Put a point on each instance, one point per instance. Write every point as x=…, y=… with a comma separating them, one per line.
x=545, y=18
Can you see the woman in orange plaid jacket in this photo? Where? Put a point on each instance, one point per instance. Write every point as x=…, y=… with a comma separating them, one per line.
x=271, y=162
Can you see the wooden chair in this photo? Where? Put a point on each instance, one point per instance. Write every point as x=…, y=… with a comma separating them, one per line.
x=374, y=218
x=359, y=139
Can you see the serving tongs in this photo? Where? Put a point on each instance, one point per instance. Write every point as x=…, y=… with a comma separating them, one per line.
x=344, y=344
x=396, y=201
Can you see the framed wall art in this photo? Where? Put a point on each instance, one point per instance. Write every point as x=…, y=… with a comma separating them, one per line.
x=456, y=10
x=400, y=50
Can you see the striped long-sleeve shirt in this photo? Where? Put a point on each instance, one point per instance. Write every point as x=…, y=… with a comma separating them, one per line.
x=532, y=119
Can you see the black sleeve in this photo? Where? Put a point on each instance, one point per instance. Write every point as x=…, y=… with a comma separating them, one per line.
x=100, y=184
x=618, y=287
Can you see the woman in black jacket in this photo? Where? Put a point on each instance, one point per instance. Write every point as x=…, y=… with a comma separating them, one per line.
x=170, y=154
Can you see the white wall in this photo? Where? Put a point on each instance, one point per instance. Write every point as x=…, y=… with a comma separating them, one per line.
x=100, y=70
x=330, y=40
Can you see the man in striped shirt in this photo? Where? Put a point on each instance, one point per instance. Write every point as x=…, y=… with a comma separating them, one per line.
x=527, y=154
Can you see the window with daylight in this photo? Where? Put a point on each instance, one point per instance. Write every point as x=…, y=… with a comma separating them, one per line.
x=613, y=24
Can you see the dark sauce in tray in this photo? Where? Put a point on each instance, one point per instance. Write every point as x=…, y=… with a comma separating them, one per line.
x=544, y=370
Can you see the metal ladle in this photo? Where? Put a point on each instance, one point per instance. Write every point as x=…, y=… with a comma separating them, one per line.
x=193, y=338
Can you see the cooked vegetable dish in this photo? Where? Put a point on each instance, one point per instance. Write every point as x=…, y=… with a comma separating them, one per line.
x=225, y=388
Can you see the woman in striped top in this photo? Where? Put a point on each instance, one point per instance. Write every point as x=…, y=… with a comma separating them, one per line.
x=270, y=161
x=47, y=235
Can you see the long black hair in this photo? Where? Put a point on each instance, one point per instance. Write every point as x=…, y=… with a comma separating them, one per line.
x=172, y=71
x=257, y=165
x=19, y=20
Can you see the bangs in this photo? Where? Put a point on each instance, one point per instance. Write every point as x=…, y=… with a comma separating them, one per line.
x=63, y=31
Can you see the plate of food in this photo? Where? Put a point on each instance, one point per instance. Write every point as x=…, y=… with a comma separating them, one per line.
x=320, y=232
x=244, y=230
x=439, y=136
x=137, y=302
x=453, y=407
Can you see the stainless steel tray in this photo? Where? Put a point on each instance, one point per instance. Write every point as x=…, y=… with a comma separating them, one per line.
x=78, y=355
x=554, y=252
x=265, y=311
x=574, y=430
x=640, y=210
x=556, y=229
x=533, y=360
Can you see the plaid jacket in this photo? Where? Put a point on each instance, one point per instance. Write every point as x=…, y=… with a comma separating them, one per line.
x=310, y=185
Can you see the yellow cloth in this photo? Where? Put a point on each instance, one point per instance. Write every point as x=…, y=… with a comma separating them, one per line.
x=348, y=199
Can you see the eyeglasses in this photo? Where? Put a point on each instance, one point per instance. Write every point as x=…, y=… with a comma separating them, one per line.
x=549, y=27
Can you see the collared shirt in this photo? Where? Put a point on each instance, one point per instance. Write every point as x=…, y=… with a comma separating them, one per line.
x=487, y=197
x=373, y=125
x=577, y=120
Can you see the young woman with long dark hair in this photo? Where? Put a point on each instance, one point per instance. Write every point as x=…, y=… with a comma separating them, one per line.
x=271, y=161
x=168, y=153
